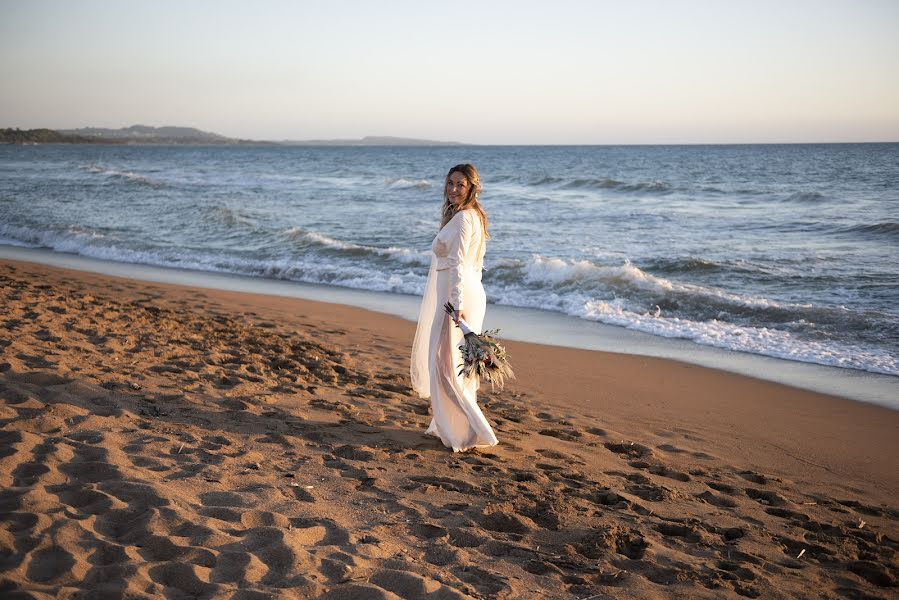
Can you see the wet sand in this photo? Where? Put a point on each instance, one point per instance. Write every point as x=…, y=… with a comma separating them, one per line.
x=165, y=441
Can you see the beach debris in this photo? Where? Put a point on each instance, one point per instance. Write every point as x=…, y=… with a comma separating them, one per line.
x=180, y=448
x=296, y=485
x=801, y=553
x=861, y=524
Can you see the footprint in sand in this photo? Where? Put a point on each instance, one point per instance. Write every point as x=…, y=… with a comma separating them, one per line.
x=630, y=450
x=568, y=435
x=686, y=533
x=624, y=541
x=651, y=492
x=182, y=579
x=49, y=564
x=717, y=499
x=485, y=582
x=669, y=473
x=766, y=497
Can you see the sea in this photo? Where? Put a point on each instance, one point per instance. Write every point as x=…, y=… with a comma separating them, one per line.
x=785, y=251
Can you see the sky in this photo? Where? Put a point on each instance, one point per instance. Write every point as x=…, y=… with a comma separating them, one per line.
x=485, y=72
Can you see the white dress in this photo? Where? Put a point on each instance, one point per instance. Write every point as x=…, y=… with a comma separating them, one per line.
x=455, y=276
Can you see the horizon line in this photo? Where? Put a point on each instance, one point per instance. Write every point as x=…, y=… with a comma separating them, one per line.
x=344, y=141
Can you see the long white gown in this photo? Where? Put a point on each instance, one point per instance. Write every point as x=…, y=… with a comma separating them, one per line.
x=455, y=276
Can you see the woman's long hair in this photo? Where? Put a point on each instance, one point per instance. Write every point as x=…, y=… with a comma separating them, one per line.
x=472, y=200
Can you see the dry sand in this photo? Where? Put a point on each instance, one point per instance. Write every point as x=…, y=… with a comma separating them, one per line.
x=162, y=441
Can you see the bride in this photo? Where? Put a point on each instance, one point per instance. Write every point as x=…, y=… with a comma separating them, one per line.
x=455, y=277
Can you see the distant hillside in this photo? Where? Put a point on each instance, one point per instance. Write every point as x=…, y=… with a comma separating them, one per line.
x=143, y=134
x=46, y=136
x=372, y=140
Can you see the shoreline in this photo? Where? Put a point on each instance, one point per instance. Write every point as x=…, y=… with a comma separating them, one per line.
x=585, y=380
x=172, y=440
x=542, y=327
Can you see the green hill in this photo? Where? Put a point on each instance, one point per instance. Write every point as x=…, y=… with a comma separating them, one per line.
x=45, y=136
x=143, y=134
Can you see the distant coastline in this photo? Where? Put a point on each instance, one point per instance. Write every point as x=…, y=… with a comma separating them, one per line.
x=27, y=137
x=186, y=136
x=371, y=140
x=142, y=134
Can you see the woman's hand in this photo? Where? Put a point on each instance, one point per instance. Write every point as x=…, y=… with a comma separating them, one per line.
x=457, y=315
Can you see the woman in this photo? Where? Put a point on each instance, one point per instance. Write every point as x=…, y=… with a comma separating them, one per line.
x=455, y=277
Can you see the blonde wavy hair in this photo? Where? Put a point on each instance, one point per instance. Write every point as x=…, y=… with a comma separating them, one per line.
x=472, y=200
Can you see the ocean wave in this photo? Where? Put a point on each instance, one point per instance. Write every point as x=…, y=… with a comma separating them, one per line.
x=404, y=183
x=786, y=340
x=128, y=176
x=686, y=264
x=886, y=228
x=548, y=180
x=71, y=239
x=653, y=187
x=311, y=269
x=307, y=268
x=659, y=187
x=756, y=340
x=805, y=198
x=595, y=184
x=566, y=285
x=320, y=240
x=585, y=276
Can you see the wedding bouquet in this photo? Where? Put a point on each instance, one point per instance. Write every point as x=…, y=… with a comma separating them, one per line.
x=482, y=355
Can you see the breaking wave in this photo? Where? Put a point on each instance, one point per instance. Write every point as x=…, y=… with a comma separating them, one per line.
x=315, y=239
x=126, y=176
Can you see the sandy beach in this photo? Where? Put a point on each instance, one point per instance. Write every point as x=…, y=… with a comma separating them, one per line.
x=168, y=442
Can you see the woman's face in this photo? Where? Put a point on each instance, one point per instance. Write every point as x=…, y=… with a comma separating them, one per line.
x=457, y=188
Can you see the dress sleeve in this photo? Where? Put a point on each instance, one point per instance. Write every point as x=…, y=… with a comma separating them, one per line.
x=458, y=248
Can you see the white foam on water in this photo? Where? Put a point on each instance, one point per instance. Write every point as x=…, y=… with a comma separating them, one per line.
x=606, y=294
x=73, y=239
x=584, y=275
x=756, y=340
x=312, y=268
x=126, y=175
x=765, y=341
x=406, y=183
x=404, y=255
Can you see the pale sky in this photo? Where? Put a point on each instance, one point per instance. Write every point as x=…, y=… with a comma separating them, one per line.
x=485, y=72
